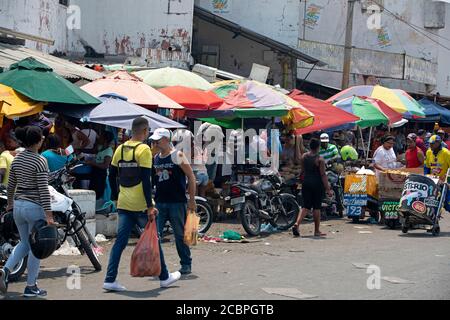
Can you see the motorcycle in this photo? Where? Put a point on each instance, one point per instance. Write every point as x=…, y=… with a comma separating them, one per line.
x=262, y=201
x=9, y=238
x=70, y=220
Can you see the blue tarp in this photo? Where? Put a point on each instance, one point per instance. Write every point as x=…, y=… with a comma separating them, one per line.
x=434, y=112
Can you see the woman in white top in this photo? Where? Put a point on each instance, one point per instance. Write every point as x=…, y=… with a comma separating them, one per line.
x=384, y=156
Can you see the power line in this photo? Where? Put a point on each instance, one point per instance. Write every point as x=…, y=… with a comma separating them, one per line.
x=417, y=29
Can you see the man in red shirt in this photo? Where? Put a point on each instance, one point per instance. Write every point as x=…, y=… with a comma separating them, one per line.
x=420, y=141
x=414, y=156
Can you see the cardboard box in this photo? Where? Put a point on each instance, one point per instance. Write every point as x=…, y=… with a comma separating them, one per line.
x=390, y=184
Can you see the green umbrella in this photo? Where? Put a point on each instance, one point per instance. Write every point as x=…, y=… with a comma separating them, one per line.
x=369, y=114
x=224, y=123
x=38, y=82
x=171, y=77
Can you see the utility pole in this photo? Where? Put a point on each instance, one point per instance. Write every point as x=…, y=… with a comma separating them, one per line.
x=348, y=44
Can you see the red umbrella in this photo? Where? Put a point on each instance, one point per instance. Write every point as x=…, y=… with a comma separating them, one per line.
x=326, y=115
x=193, y=99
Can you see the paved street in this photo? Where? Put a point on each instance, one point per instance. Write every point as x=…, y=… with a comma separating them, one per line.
x=323, y=268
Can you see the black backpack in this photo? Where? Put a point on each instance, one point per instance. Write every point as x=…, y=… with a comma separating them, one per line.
x=129, y=171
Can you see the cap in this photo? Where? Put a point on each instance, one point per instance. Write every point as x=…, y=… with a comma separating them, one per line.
x=435, y=139
x=324, y=137
x=412, y=136
x=161, y=133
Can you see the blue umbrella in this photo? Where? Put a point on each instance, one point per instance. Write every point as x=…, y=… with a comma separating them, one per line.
x=434, y=112
x=116, y=112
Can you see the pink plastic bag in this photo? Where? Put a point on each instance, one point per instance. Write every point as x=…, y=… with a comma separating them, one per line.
x=145, y=261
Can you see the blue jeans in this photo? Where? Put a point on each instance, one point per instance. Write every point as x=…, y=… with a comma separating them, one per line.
x=26, y=214
x=175, y=213
x=127, y=220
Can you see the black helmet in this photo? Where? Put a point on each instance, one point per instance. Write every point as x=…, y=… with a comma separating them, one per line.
x=9, y=227
x=43, y=240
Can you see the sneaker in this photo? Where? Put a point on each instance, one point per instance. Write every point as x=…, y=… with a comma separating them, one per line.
x=173, y=277
x=185, y=270
x=33, y=292
x=3, y=281
x=295, y=232
x=114, y=287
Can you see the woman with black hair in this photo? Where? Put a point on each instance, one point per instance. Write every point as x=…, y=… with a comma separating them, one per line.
x=29, y=197
x=384, y=157
x=315, y=184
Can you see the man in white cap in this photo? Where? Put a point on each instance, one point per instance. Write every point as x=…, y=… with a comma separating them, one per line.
x=172, y=167
x=327, y=150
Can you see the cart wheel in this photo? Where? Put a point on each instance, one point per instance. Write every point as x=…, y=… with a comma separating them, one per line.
x=436, y=231
x=355, y=219
x=391, y=224
x=405, y=229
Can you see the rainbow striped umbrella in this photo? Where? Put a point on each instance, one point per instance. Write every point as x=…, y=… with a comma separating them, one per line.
x=398, y=100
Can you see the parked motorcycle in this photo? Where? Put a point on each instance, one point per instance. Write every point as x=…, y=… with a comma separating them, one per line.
x=9, y=238
x=71, y=221
x=262, y=201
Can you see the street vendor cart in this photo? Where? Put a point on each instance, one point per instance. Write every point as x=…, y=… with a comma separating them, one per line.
x=360, y=195
x=422, y=201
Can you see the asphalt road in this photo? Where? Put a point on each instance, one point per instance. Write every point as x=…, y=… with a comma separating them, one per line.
x=324, y=268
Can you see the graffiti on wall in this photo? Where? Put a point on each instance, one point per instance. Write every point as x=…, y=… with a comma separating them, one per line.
x=221, y=6
x=383, y=37
x=312, y=17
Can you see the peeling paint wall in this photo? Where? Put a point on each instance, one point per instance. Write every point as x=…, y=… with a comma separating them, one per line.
x=43, y=18
x=117, y=27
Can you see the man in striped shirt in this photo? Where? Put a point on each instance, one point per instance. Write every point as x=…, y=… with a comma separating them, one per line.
x=328, y=151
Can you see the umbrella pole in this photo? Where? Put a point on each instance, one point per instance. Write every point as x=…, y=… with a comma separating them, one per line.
x=362, y=140
x=369, y=143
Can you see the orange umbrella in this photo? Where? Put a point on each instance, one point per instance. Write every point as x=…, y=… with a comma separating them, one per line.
x=193, y=99
x=127, y=85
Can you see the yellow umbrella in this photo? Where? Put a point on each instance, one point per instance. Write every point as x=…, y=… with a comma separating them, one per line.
x=15, y=105
x=389, y=97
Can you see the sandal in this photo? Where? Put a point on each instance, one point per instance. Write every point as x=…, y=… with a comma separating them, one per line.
x=295, y=232
x=320, y=235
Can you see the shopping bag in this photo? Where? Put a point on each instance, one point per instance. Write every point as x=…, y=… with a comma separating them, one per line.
x=145, y=261
x=191, y=228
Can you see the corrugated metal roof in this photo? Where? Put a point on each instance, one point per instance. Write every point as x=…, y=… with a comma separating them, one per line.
x=10, y=54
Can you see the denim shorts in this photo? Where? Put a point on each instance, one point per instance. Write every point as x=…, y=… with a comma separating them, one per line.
x=202, y=178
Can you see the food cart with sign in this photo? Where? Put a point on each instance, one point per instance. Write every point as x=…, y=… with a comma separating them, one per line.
x=360, y=195
x=422, y=201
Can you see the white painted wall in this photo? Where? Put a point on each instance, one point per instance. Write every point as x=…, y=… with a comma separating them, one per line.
x=43, y=18
x=276, y=19
x=118, y=27
x=403, y=39
x=444, y=59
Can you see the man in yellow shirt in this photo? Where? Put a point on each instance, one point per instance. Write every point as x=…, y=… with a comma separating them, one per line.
x=131, y=169
x=438, y=158
x=6, y=158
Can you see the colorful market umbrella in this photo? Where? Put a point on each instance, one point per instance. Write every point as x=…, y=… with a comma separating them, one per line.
x=193, y=99
x=258, y=98
x=130, y=86
x=326, y=115
x=115, y=111
x=395, y=99
x=391, y=114
x=38, y=82
x=170, y=77
x=15, y=105
x=370, y=115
